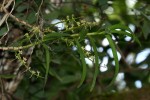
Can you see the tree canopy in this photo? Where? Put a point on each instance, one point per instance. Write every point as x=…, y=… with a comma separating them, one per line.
x=74, y=49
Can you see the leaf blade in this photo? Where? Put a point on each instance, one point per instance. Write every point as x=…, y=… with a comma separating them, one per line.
x=112, y=45
x=55, y=35
x=96, y=63
x=83, y=63
x=120, y=26
x=47, y=58
x=124, y=30
x=7, y=76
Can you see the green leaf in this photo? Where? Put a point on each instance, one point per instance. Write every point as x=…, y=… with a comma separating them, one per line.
x=3, y=30
x=31, y=18
x=145, y=16
x=21, y=8
x=6, y=76
x=146, y=29
x=136, y=39
x=96, y=63
x=123, y=31
x=47, y=65
x=55, y=35
x=51, y=15
x=120, y=26
x=83, y=63
x=69, y=79
x=83, y=34
x=114, y=51
x=52, y=72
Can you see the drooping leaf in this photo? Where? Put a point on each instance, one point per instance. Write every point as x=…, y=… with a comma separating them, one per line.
x=83, y=63
x=96, y=62
x=124, y=30
x=121, y=33
x=137, y=40
x=47, y=63
x=114, y=51
x=120, y=26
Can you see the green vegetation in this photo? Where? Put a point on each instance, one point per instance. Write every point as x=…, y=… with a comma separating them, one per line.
x=53, y=40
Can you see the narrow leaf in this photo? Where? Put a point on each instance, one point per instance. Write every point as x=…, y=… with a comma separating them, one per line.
x=96, y=63
x=83, y=33
x=123, y=31
x=136, y=39
x=114, y=51
x=83, y=63
x=120, y=26
x=69, y=79
x=55, y=35
x=52, y=72
x=47, y=59
x=6, y=76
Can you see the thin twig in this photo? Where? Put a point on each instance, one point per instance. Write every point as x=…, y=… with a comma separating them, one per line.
x=17, y=19
x=21, y=21
x=5, y=7
x=36, y=43
x=19, y=48
x=6, y=20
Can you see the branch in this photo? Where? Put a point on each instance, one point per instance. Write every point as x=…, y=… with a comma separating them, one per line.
x=5, y=7
x=36, y=43
x=19, y=20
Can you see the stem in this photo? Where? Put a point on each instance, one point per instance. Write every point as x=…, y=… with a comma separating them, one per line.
x=89, y=34
x=36, y=43
x=20, y=47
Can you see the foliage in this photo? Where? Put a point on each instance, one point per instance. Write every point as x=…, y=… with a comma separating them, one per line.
x=59, y=69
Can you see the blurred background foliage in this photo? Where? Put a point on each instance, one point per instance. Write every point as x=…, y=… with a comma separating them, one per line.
x=65, y=69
